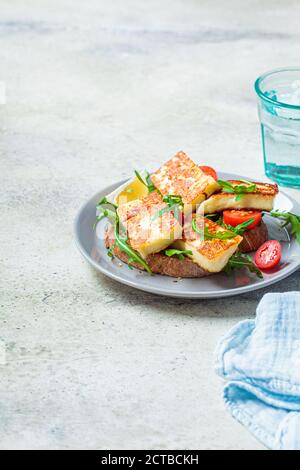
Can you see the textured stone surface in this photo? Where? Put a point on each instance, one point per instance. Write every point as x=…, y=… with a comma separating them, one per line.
x=95, y=89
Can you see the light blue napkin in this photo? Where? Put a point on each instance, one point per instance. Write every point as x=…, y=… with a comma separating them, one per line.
x=261, y=360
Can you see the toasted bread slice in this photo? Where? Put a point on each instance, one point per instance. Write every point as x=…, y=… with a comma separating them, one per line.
x=254, y=238
x=182, y=177
x=159, y=263
x=147, y=232
x=260, y=199
x=210, y=255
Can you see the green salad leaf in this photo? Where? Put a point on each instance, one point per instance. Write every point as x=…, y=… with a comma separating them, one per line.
x=105, y=201
x=213, y=217
x=291, y=219
x=180, y=254
x=121, y=240
x=106, y=213
x=239, y=261
x=207, y=235
x=239, y=189
x=174, y=204
x=146, y=182
x=109, y=210
x=240, y=228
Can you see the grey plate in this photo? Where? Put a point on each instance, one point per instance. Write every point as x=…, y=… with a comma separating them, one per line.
x=91, y=245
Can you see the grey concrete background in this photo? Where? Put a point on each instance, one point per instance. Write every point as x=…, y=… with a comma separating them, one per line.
x=95, y=89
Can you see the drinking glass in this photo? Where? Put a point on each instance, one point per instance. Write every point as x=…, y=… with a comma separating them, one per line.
x=278, y=95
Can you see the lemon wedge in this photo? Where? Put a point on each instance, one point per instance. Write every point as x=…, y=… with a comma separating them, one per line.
x=134, y=190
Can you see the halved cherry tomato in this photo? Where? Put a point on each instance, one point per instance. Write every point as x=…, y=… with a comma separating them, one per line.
x=268, y=255
x=236, y=217
x=208, y=170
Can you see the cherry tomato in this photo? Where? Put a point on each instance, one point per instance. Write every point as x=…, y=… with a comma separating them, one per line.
x=208, y=170
x=268, y=255
x=236, y=217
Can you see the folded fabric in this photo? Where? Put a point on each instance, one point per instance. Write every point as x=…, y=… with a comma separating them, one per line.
x=261, y=360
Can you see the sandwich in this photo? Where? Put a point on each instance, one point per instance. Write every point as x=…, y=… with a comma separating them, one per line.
x=173, y=221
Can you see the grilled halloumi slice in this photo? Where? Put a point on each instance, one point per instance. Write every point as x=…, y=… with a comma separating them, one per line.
x=147, y=232
x=182, y=177
x=129, y=209
x=210, y=255
x=260, y=199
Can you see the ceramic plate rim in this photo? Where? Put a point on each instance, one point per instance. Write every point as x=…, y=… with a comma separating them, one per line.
x=218, y=293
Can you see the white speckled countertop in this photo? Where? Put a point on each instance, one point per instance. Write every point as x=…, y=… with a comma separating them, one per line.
x=95, y=89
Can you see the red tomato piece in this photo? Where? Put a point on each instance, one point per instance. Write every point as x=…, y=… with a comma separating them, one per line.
x=268, y=255
x=236, y=217
x=208, y=170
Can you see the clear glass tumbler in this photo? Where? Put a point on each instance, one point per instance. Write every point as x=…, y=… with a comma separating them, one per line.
x=278, y=94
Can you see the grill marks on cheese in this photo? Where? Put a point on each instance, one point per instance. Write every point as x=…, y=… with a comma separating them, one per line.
x=261, y=199
x=181, y=176
x=211, y=255
x=146, y=235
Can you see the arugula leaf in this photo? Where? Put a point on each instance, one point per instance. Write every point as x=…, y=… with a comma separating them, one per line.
x=108, y=211
x=147, y=182
x=247, y=182
x=207, y=235
x=226, y=186
x=239, y=189
x=180, y=254
x=130, y=261
x=231, y=231
x=289, y=219
x=151, y=186
x=239, y=261
x=121, y=240
x=172, y=199
x=163, y=211
x=140, y=178
x=239, y=197
x=110, y=250
x=105, y=201
x=218, y=235
x=174, y=204
x=120, y=234
x=240, y=228
x=212, y=217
